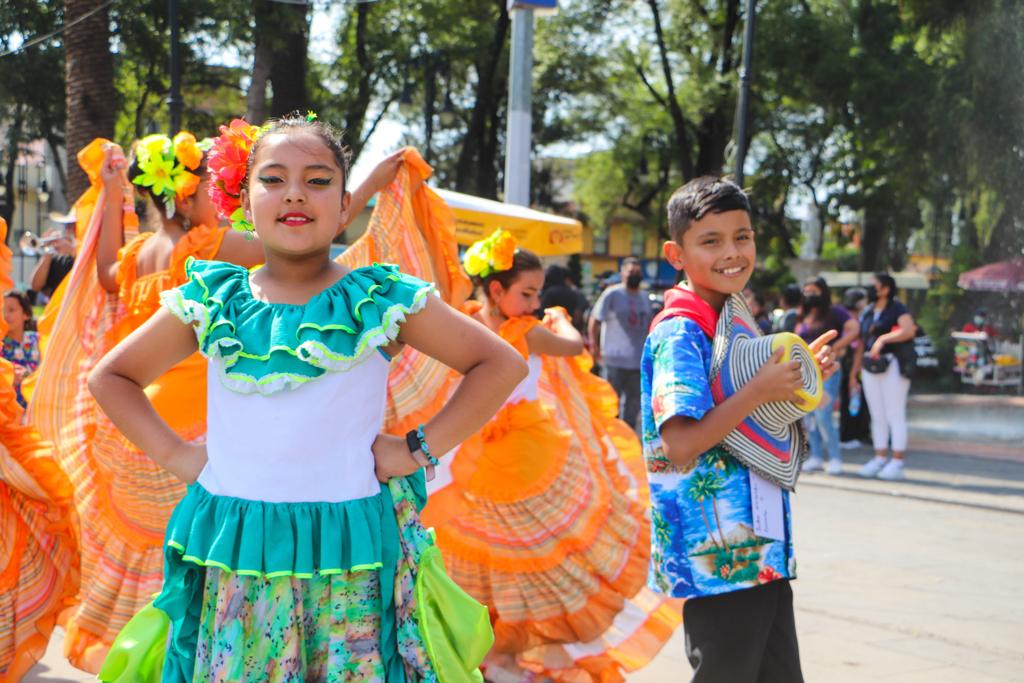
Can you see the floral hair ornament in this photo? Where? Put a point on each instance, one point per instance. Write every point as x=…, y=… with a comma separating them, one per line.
x=228, y=163
x=491, y=255
x=169, y=166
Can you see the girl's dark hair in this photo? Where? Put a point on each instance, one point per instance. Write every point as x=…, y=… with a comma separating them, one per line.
x=522, y=261
x=297, y=121
x=23, y=301
x=887, y=280
x=821, y=309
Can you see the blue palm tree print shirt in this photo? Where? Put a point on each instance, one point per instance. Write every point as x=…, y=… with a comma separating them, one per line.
x=702, y=532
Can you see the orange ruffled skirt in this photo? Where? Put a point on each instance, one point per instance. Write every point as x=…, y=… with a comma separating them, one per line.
x=548, y=528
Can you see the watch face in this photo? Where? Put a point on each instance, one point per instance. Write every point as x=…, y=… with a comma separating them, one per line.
x=412, y=441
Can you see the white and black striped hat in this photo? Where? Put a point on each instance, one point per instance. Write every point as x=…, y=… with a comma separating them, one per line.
x=770, y=441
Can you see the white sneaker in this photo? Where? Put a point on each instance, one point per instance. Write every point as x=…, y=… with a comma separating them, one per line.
x=813, y=464
x=893, y=471
x=835, y=467
x=848, y=445
x=872, y=467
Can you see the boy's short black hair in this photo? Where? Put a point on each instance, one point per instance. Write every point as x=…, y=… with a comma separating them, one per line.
x=702, y=196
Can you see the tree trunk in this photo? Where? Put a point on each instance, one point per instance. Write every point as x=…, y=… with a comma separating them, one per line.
x=478, y=156
x=355, y=118
x=89, y=89
x=290, y=33
x=263, y=59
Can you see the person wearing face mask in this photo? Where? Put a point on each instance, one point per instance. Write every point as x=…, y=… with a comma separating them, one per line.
x=981, y=323
x=817, y=316
x=887, y=330
x=617, y=330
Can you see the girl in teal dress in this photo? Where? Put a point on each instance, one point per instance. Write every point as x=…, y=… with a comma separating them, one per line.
x=293, y=556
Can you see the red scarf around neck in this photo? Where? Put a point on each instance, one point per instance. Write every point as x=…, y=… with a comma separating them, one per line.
x=683, y=302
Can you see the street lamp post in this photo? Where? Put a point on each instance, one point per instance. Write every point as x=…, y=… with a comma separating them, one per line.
x=517, y=150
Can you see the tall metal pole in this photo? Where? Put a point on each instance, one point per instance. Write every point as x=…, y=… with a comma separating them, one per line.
x=517, y=144
x=174, y=101
x=743, y=105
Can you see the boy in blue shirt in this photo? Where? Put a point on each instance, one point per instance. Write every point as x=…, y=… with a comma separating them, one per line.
x=739, y=613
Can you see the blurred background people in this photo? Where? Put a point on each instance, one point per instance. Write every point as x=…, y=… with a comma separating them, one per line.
x=617, y=330
x=756, y=304
x=21, y=343
x=56, y=259
x=854, y=414
x=789, y=309
x=887, y=333
x=819, y=315
x=560, y=290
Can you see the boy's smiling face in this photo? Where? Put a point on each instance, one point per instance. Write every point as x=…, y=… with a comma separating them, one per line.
x=717, y=253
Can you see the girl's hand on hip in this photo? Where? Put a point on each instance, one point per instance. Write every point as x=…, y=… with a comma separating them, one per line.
x=876, y=349
x=186, y=461
x=392, y=458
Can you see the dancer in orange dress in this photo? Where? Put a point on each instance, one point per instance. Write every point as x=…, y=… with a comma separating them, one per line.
x=542, y=514
x=38, y=559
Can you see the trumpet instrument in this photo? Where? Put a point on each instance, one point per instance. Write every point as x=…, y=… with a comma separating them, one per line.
x=32, y=245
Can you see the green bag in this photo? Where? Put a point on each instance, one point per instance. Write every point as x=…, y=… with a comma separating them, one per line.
x=456, y=629
x=137, y=655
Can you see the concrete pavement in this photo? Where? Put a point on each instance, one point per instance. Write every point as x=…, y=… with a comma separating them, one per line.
x=914, y=581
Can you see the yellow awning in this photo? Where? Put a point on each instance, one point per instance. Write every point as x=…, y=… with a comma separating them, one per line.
x=545, y=234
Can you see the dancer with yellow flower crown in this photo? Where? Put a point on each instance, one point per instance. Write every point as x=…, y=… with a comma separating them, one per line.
x=542, y=514
x=123, y=500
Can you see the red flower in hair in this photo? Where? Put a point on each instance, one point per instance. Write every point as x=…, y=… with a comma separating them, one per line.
x=227, y=162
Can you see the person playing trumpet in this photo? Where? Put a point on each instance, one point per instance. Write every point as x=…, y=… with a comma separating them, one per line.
x=57, y=257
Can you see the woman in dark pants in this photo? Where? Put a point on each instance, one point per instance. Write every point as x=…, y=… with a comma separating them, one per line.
x=853, y=429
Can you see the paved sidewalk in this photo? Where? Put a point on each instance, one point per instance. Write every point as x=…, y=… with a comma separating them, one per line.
x=901, y=588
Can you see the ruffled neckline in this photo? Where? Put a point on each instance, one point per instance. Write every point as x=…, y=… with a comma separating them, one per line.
x=265, y=347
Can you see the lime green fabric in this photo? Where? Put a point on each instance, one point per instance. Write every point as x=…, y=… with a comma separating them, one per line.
x=265, y=347
x=456, y=629
x=137, y=655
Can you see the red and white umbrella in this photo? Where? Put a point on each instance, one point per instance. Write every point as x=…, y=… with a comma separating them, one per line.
x=1004, y=276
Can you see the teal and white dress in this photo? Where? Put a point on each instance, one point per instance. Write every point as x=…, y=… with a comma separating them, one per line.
x=287, y=561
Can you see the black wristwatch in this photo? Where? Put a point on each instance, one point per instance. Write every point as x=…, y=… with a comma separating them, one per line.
x=412, y=440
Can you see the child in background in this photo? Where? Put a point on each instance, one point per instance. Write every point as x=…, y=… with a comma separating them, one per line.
x=299, y=355
x=739, y=624
x=21, y=343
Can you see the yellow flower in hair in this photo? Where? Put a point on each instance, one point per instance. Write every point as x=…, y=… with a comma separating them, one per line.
x=475, y=263
x=187, y=150
x=491, y=255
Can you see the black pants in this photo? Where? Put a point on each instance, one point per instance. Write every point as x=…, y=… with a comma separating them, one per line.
x=852, y=426
x=627, y=385
x=746, y=636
